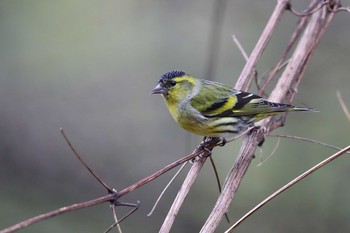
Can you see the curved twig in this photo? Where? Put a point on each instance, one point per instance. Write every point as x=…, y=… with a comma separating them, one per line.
x=291, y=183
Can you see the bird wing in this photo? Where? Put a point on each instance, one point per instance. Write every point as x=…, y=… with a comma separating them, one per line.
x=219, y=100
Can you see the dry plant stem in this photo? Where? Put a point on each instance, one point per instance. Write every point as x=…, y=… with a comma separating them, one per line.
x=293, y=39
x=290, y=184
x=289, y=79
x=298, y=61
x=240, y=47
x=305, y=140
x=108, y=198
x=306, y=47
x=192, y=174
x=244, y=79
x=236, y=173
x=59, y=211
x=148, y=179
x=75, y=152
x=166, y=188
x=309, y=12
x=124, y=217
x=114, y=212
x=217, y=181
x=181, y=195
x=343, y=105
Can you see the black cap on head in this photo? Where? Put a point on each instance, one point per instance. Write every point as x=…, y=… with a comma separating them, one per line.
x=166, y=82
x=173, y=74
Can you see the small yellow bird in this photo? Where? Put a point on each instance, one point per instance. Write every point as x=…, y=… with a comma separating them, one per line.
x=214, y=109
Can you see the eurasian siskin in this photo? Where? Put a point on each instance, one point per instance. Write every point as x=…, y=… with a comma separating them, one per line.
x=214, y=109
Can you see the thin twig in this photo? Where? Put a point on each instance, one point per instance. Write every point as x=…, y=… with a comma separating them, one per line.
x=245, y=78
x=296, y=34
x=291, y=183
x=75, y=152
x=112, y=197
x=343, y=105
x=180, y=197
x=268, y=77
x=290, y=79
x=57, y=212
x=272, y=153
x=217, y=181
x=208, y=146
x=114, y=212
x=346, y=9
x=306, y=140
x=123, y=218
x=240, y=47
x=166, y=187
x=244, y=54
x=169, y=220
x=250, y=142
x=337, y=8
x=316, y=32
x=309, y=11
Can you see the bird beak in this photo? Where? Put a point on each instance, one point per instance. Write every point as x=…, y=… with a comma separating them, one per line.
x=159, y=89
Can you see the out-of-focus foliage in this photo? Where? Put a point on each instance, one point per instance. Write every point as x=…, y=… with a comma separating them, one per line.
x=88, y=66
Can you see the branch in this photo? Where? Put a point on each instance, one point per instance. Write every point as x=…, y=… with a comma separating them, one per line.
x=59, y=211
x=181, y=195
x=290, y=79
x=113, y=197
x=290, y=184
x=245, y=78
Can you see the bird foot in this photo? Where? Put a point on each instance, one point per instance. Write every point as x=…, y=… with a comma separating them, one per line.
x=203, y=146
x=222, y=142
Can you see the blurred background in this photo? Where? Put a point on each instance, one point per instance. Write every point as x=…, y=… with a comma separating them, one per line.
x=89, y=66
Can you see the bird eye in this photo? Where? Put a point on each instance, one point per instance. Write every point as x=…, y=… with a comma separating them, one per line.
x=172, y=83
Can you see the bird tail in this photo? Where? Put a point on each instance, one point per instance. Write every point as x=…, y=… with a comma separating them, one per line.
x=282, y=108
x=301, y=109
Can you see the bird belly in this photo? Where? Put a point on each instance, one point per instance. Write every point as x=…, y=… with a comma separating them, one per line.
x=195, y=122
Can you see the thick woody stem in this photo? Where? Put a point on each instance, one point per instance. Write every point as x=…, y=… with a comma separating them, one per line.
x=288, y=81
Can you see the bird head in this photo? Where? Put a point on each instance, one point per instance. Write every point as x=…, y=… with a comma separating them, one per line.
x=175, y=86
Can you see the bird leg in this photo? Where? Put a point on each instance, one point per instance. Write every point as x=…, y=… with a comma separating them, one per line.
x=222, y=142
x=203, y=146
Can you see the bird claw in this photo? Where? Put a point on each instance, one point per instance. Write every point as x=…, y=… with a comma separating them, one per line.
x=203, y=147
x=222, y=142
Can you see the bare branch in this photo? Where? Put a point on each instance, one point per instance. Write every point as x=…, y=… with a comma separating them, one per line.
x=305, y=139
x=291, y=183
x=309, y=11
x=114, y=212
x=59, y=211
x=288, y=82
x=240, y=47
x=75, y=152
x=233, y=180
x=124, y=217
x=293, y=40
x=343, y=105
x=166, y=187
x=185, y=188
x=208, y=146
x=112, y=197
x=244, y=79
x=217, y=181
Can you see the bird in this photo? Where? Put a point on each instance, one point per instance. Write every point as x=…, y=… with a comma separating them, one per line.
x=212, y=109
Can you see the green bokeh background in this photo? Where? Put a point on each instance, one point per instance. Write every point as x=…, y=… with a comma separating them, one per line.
x=88, y=66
